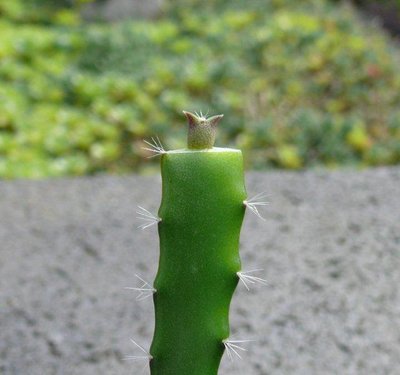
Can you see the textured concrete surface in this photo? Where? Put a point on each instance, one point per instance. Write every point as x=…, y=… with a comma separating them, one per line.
x=330, y=249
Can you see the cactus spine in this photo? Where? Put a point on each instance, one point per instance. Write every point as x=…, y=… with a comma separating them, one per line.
x=201, y=214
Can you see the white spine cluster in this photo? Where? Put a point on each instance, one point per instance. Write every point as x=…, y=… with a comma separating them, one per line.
x=232, y=348
x=256, y=202
x=155, y=146
x=148, y=218
x=246, y=279
x=145, y=291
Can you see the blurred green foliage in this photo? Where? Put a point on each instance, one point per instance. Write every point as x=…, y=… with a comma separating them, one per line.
x=301, y=84
x=393, y=3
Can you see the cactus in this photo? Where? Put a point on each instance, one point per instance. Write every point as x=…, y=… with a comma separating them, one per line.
x=199, y=221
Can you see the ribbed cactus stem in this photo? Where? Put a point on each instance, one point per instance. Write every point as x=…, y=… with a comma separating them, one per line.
x=201, y=215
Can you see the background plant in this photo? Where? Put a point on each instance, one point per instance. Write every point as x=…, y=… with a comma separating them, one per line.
x=303, y=84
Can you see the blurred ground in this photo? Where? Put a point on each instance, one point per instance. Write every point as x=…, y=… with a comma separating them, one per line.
x=329, y=246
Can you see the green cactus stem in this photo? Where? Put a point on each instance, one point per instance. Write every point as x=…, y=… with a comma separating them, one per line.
x=201, y=215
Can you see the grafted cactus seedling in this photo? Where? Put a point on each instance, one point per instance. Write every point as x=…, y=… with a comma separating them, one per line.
x=199, y=221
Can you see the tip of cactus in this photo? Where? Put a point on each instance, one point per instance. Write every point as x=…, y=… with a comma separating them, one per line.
x=202, y=130
x=198, y=117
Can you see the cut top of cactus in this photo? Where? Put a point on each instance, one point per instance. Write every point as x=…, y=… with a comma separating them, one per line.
x=214, y=149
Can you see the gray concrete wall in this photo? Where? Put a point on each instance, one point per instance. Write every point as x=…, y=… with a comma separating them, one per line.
x=330, y=249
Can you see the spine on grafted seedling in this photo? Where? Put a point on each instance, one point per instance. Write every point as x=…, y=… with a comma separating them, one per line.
x=199, y=222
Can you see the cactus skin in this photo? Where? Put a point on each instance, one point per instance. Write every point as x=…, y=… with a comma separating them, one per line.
x=201, y=215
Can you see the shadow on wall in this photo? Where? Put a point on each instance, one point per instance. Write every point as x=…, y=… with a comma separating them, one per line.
x=387, y=12
x=114, y=10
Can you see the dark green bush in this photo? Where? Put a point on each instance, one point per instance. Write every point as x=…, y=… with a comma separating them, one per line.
x=301, y=84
